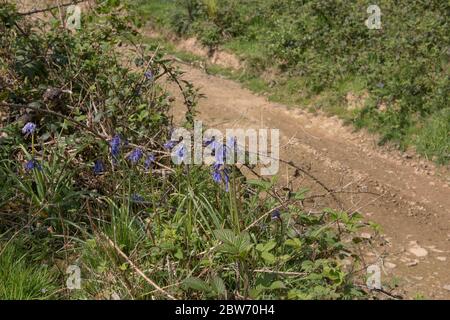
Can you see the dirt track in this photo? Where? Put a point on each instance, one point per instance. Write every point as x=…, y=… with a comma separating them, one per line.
x=411, y=199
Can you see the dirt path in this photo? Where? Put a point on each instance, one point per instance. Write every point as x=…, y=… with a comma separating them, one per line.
x=413, y=201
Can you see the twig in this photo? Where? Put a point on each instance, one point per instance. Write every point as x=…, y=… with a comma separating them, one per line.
x=138, y=271
x=284, y=273
x=51, y=8
x=25, y=106
x=390, y=295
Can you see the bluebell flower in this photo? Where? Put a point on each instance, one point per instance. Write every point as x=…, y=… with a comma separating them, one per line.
x=29, y=128
x=217, y=177
x=170, y=144
x=207, y=142
x=276, y=215
x=221, y=175
x=149, y=161
x=32, y=164
x=226, y=179
x=115, y=146
x=99, y=168
x=135, y=155
x=220, y=153
x=181, y=152
x=137, y=198
x=216, y=166
x=149, y=75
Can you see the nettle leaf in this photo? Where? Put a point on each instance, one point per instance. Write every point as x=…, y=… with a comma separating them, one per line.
x=218, y=286
x=238, y=245
x=196, y=284
x=225, y=235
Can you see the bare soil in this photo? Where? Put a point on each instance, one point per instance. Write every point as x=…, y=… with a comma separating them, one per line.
x=408, y=196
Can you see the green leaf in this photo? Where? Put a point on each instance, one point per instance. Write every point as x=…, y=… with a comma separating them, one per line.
x=225, y=235
x=277, y=285
x=300, y=195
x=123, y=266
x=219, y=286
x=268, y=257
x=264, y=185
x=196, y=284
x=98, y=117
x=295, y=243
x=237, y=245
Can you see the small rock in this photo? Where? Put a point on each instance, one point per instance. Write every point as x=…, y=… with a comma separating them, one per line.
x=390, y=265
x=407, y=156
x=366, y=235
x=447, y=287
x=442, y=258
x=115, y=296
x=412, y=263
x=417, y=250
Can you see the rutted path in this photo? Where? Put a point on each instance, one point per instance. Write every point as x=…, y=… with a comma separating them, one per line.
x=412, y=204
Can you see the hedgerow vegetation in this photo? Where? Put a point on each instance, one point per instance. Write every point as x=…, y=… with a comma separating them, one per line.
x=86, y=179
x=318, y=51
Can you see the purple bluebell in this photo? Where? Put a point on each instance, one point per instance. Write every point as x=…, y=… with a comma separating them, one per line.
x=135, y=155
x=115, y=146
x=32, y=164
x=149, y=161
x=181, y=152
x=220, y=175
x=276, y=215
x=29, y=128
x=149, y=75
x=217, y=177
x=226, y=179
x=170, y=144
x=209, y=141
x=220, y=153
x=137, y=198
x=99, y=168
